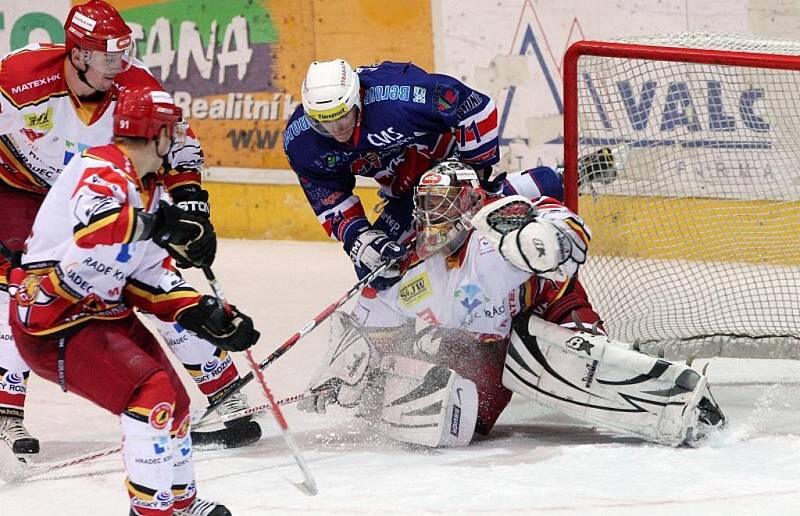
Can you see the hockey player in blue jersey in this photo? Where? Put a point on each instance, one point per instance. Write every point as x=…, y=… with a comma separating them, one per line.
x=391, y=121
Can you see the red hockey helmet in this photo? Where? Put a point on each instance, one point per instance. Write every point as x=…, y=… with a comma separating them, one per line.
x=97, y=25
x=142, y=111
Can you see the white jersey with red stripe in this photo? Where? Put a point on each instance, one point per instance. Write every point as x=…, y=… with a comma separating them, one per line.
x=83, y=259
x=475, y=290
x=43, y=125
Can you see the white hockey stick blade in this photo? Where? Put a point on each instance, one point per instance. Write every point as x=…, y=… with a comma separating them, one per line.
x=308, y=486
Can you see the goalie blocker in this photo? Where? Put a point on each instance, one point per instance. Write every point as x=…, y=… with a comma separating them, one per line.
x=600, y=381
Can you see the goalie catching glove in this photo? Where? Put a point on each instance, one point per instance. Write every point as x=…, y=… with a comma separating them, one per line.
x=210, y=322
x=543, y=241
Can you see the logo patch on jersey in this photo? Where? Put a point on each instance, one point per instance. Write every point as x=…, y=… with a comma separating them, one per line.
x=71, y=149
x=444, y=99
x=416, y=290
x=41, y=122
x=364, y=163
x=470, y=296
x=419, y=95
x=183, y=428
x=160, y=415
x=28, y=290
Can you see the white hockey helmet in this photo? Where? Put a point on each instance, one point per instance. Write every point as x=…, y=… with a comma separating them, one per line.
x=445, y=200
x=330, y=90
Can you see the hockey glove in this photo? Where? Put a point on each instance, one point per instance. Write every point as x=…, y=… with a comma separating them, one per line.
x=188, y=238
x=370, y=249
x=210, y=322
x=193, y=199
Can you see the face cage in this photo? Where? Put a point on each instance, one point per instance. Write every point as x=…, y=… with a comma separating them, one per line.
x=442, y=215
x=110, y=63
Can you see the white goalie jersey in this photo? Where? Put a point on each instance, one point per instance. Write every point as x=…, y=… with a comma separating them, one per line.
x=477, y=289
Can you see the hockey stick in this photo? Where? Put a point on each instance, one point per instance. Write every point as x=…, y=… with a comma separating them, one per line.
x=305, y=330
x=308, y=486
x=250, y=411
x=20, y=472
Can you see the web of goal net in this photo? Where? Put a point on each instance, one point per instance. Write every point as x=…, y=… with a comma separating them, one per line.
x=682, y=152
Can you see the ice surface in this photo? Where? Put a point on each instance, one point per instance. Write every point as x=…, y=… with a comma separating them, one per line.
x=535, y=461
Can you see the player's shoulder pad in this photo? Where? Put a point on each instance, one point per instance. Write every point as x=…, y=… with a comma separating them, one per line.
x=33, y=74
x=113, y=158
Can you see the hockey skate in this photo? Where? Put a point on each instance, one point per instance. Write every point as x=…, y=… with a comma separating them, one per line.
x=16, y=436
x=711, y=419
x=199, y=508
x=238, y=432
x=204, y=508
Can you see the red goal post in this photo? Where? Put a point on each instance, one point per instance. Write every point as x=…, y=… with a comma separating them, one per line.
x=703, y=131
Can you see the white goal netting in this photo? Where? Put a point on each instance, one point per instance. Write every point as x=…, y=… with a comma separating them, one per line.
x=696, y=213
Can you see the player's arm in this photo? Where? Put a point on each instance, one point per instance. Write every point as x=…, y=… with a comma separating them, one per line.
x=472, y=116
x=11, y=119
x=183, y=176
x=158, y=289
x=101, y=213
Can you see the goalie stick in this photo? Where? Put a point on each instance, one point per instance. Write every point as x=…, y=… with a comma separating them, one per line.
x=308, y=486
x=19, y=471
x=305, y=330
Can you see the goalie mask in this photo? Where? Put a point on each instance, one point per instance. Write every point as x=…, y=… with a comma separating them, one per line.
x=445, y=200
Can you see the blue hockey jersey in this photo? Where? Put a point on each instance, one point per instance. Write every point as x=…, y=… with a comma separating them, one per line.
x=410, y=120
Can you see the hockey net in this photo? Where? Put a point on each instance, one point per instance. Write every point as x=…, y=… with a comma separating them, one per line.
x=682, y=153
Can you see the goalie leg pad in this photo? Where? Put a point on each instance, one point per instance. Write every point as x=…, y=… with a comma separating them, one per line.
x=346, y=369
x=596, y=380
x=426, y=404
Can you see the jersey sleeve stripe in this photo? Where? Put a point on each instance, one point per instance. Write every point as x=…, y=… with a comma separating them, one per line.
x=114, y=227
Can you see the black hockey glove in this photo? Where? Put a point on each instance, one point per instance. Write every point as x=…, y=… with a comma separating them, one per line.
x=370, y=249
x=188, y=238
x=210, y=322
x=193, y=199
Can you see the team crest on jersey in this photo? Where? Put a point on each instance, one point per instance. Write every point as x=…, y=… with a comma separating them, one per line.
x=28, y=290
x=364, y=163
x=444, y=99
x=415, y=290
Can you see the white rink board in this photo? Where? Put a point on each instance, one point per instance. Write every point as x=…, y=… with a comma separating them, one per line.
x=535, y=461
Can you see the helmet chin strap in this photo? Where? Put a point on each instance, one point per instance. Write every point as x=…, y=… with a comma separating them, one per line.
x=84, y=79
